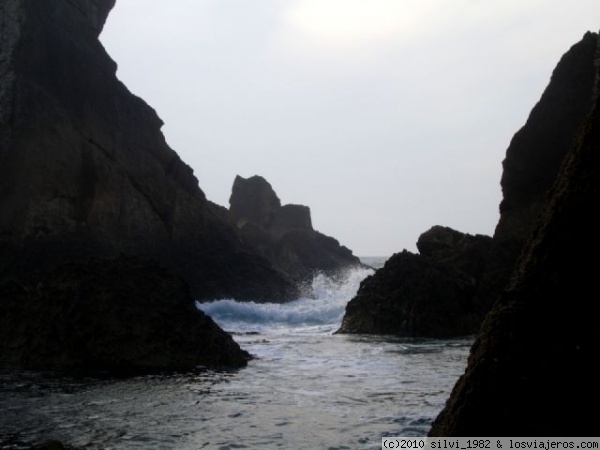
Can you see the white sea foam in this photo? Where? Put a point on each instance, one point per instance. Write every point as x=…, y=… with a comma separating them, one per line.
x=326, y=307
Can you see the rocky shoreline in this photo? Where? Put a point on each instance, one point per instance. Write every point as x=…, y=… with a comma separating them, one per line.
x=451, y=284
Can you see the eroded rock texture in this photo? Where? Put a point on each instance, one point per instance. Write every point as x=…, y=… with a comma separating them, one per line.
x=87, y=178
x=431, y=294
x=454, y=280
x=532, y=370
x=120, y=317
x=537, y=150
x=284, y=234
x=85, y=169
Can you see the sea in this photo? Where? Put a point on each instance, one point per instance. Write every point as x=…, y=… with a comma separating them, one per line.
x=306, y=387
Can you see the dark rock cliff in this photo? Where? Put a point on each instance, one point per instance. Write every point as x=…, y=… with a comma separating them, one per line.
x=284, y=234
x=100, y=220
x=85, y=170
x=444, y=293
x=537, y=150
x=532, y=370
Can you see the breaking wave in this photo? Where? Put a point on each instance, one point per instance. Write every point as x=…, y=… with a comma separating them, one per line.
x=325, y=308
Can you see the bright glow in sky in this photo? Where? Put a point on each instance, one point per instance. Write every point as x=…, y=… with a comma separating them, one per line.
x=343, y=21
x=385, y=117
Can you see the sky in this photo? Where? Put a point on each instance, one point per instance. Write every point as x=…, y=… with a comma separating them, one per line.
x=385, y=117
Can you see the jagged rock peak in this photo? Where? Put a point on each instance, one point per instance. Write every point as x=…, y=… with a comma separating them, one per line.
x=537, y=150
x=254, y=200
x=284, y=234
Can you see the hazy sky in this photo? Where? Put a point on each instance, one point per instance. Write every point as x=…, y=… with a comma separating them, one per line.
x=385, y=117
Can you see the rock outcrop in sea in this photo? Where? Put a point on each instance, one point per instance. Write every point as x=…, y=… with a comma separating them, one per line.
x=532, y=369
x=118, y=317
x=284, y=234
x=93, y=202
x=434, y=293
x=448, y=287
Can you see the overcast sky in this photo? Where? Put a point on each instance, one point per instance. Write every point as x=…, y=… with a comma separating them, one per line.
x=385, y=117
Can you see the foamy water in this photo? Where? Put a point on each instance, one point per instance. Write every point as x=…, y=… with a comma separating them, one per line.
x=326, y=309
x=306, y=388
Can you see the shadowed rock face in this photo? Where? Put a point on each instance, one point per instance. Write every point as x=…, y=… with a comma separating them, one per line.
x=456, y=278
x=537, y=150
x=532, y=370
x=284, y=234
x=85, y=170
x=120, y=317
x=433, y=294
x=99, y=219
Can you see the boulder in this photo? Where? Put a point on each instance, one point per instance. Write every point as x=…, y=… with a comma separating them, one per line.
x=532, y=369
x=118, y=317
x=432, y=294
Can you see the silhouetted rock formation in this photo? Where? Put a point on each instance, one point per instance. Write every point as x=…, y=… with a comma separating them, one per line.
x=85, y=170
x=85, y=177
x=432, y=294
x=537, y=150
x=121, y=316
x=532, y=370
x=447, y=289
x=284, y=234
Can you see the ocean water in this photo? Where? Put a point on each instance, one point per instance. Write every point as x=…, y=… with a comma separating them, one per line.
x=306, y=388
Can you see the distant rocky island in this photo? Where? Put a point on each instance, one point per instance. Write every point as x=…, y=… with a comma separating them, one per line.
x=106, y=239
x=451, y=284
x=284, y=234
